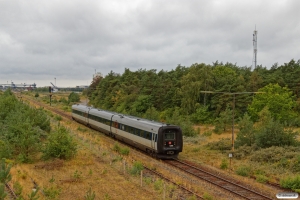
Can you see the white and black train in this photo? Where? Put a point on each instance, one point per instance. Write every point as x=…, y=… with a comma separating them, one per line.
x=161, y=140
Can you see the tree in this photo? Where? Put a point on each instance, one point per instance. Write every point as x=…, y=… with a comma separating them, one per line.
x=74, y=97
x=245, y=136
x=270, y=132
x=279, y=100
x=224, y=121
x=60, y=145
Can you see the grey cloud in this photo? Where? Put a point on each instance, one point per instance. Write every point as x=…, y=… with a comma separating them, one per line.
x=40, y=40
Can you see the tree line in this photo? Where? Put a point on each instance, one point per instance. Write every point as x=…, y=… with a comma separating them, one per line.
x=178, y=96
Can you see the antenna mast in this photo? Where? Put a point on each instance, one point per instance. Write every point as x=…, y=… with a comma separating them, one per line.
x=255, y=47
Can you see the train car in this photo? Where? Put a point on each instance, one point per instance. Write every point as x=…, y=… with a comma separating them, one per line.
x=158, y=139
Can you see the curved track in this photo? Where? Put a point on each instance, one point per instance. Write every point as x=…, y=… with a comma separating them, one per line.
x=218, y=181
x=69, y=117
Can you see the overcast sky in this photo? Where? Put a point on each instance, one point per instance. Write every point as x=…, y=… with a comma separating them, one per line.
x=70, y=39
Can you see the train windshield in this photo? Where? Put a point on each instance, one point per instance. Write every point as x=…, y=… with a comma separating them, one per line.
x=169, y=134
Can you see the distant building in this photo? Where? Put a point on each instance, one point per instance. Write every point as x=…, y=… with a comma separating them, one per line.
x=82, y=86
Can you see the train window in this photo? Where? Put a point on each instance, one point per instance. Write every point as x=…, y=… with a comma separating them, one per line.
x=148, y=135
x=155, y=137
x=169, y=135
x=142, y=133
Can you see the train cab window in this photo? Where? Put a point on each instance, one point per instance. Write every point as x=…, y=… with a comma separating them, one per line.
x=155, y=137
x=169, y=135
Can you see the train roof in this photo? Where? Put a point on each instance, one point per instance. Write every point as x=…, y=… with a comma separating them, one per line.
x=128, y=117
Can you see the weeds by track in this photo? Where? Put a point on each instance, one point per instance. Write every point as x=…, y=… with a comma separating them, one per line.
x=218, y=181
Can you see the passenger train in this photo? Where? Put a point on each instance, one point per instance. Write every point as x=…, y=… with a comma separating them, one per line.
x=161, y=140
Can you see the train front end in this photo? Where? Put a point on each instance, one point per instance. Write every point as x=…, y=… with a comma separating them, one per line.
x=170, y=142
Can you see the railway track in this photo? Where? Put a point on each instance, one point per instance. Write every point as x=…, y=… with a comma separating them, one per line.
x=230, y=186
x=169, y=180
x=9, y=190
x=69, y=117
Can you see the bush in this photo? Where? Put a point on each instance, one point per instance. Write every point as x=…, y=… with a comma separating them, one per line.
x=222, y=145
x=74, y=97
x=275, y=154
x=137, y=168
x=224, y=164
x=124, y=151
x=158, y=185
x=58, y=117
x=52, y=192
x=272, y=133
x=291, y=183
x=60, y=145
x=261, y=178
x=120, y=150
x=243, y=171
x=244, y=151
x=207, y=133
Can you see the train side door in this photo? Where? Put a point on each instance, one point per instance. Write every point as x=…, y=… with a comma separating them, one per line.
x=154, y=141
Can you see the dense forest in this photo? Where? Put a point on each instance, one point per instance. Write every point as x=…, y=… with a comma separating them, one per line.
x=203, y=94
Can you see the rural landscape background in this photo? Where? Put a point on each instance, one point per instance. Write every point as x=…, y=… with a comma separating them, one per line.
x=68, y=160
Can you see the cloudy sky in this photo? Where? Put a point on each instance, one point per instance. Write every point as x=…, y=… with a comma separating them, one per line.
x=68, y=40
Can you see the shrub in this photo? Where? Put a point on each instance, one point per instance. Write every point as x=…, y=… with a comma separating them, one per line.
x=224, y=164
x=207, y=133
x=116, y=147
x=90, y=195
x=137, y=168
x=17, y=188
x=261, y=178
x=207, y=196
x=74, y=97
x=158, y=185
x=243, y=171
x=291, y=183
x=275, y=154
x=244, y=151
x=124, y=151
x=60, y=145
x=58, y=117
x=222, y=145
x=52, y=192
x=272, y=133
x=295, y=164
